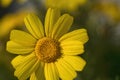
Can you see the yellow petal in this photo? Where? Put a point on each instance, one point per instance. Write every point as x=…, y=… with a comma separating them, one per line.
x=51, y=72
x=50, y=19
x=33, y=77
x=72, y=47
x=22, y=38
x=20, y=59
x=39, y=73
x=28, y=65
x=66, y=71
x=80, y=34
x=76, y=62
x=16, y=48
x=34, y=26
x=62, y=26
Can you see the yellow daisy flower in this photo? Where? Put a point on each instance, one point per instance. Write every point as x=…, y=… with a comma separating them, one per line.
x=50, y=53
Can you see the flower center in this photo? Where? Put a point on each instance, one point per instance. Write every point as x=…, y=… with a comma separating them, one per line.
x=47, y=50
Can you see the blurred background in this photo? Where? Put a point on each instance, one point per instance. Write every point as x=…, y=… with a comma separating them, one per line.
x=101, y=18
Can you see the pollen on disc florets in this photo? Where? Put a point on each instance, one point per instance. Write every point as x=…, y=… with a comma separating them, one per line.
x=47, y=50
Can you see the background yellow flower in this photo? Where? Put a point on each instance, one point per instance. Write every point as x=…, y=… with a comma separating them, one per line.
x=5, y=3
x=11, y=21
x=70, y=5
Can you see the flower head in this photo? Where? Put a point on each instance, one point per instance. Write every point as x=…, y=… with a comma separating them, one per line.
x=48, y=53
